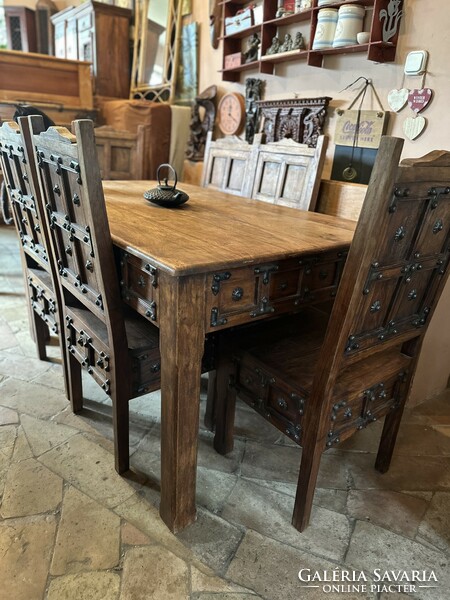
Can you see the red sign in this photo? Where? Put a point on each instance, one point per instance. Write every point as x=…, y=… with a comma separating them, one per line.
x=419, y=99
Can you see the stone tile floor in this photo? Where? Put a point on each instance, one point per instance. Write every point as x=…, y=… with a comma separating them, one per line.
x=71, y=528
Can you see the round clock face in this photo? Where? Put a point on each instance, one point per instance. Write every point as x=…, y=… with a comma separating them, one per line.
x=231, y=113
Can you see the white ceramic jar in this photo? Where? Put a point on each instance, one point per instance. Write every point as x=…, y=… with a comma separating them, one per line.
x=350, y=23
x=325, y=29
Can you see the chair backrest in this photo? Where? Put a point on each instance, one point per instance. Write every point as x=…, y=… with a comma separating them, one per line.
x=19, y=174
x=121, y=154
x=226, y=165
x=287, y=173
x=397, y=265
x=76, y=217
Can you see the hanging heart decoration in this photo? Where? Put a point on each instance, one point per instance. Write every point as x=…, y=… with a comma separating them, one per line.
x=413, y=127
x=419, y=99
x=397, y=99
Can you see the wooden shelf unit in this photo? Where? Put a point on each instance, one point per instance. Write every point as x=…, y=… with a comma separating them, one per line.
x=376, y=49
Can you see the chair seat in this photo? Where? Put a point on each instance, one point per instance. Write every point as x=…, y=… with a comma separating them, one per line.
x=276, y=367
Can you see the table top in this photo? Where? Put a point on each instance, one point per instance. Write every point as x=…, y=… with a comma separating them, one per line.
x=214, y=230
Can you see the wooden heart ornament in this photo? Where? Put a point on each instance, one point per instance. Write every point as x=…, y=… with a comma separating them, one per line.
x=397, y=99
x=419, y=99
x=413, y=127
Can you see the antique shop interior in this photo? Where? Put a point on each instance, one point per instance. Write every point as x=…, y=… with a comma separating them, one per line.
x=224, y=340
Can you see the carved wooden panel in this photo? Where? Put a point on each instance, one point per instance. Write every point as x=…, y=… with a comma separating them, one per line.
x=121, y=154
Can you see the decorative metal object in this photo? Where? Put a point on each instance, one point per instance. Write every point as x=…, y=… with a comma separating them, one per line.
x=391, y=18
x=287, y=44
x=253, y=92
x=166, y=195
x=253, y=44
x=299, y=42
x=200, y=126
x=301, y=119
x=275, y=47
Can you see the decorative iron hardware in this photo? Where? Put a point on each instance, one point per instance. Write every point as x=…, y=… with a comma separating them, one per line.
x=151, y=311
x=215, y=321
x=399, y=234
x=300, y=402
x=434, y=194
x=376, y=306
x=421, y=318
x=438, y=226
x=153, y=271
x=217, y=278
x=76, y=200
x=412, y=295
x=281, y=402
x=264, y=308
x=237, y=294
x=266, y=271
x=323, y=275
x=398, y=193
x=141, y=281
x=351, y=344
x=294, y=431
x=89, y=266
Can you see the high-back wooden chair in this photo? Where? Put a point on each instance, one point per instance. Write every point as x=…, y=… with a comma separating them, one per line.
x=121, y=154
x=287, y=173
x=226, y=165
x=20, y=177
x=320, y=383
x=119, y=350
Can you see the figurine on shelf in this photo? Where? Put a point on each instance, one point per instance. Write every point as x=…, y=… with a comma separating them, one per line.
x=299, y=42
x=280, y=9
x=287, y=44
x=275, y=47
x=253, y=44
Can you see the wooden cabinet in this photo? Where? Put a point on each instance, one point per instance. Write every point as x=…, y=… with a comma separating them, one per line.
x=97, y=33
x=20, y=28
x=306, y=22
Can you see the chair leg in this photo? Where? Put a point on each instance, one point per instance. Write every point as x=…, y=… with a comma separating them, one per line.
x=388, y=438
x=41, y=335
x=121, y=425
x=307, y=479
x=210, y=412
x=74, y=383
x=225, y=404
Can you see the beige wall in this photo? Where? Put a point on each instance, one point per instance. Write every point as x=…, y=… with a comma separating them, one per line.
x=425, y=25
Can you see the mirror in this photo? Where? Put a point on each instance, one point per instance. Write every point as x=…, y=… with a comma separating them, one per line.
x=156, y=50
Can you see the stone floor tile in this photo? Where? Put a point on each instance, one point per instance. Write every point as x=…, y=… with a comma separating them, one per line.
x=421, y=473
x=30, y=489
x=200, y=582
x=442, y=429
x=372, y=547
x=271, y=570
x=32, y=399
x=250, y=425
x=404, y=515
x=271, y=462
x=99, y=585
x=88, y=536
x=8, y=434
x=226, y=596
x=132, y=536
x=421, y=440
x=7, y=337
x=435, y=527
x=201, y=537
x=44, y=435
x=89, y=468
x=26, y=547
x=213, y=488
x=5, y=461
x=434, y=410
x=8, y=416
x=53, y=378
x=148, y=406
x=366, y=440
x=153, y=572
x=80, y=421
x=22, y=449
x=270, y=514
x=22, y=368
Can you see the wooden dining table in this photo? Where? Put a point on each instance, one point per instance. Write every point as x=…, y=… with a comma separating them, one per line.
x=216, y=262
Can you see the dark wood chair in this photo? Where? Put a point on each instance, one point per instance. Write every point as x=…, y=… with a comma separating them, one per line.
x=20, y=177
x=119, y=349
x=320, y=381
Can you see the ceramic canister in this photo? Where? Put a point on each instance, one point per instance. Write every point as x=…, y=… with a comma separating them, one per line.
x=326, y=26
x=349, y=24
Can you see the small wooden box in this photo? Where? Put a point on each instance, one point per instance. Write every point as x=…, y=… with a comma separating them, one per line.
x=242, y=20
x=233, y=60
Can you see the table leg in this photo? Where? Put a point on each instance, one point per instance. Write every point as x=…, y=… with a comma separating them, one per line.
x=182, y=333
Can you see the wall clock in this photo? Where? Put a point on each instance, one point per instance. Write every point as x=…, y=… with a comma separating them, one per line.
x=231, y=113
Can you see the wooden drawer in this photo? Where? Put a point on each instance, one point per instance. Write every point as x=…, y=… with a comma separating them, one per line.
x=286, y=411
x=242, y=295
x=139, y=284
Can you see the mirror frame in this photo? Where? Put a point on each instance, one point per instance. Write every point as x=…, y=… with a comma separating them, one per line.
x=165, y=91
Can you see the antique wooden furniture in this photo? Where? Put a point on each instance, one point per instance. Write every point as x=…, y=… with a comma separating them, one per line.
x=20, y=177
x=20, y=28
x=226, y=165
x=319, y=384
x=120, y=153
x=119, y=350
x=300, y=119
x=341, y=199
x=287, y=173
x=98, y=33
x=382, y=20
x=45, y=9
x=62, y=88
x=218, y=261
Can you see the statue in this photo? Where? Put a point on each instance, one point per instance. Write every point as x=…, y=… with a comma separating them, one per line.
x=287, y=44
x=253, y=90
x=275, y=47
x=299, y=43
x=199, y=127
x=253, y=44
